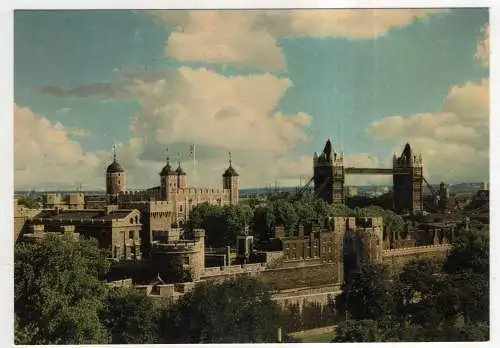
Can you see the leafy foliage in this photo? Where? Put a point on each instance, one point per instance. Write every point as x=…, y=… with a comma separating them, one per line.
x=368, y=294
x=58, y=292
x=222, y=224
x=130, y=317
x=30, y=202
x=357, y=331
x=237, y=310
x=470, y=253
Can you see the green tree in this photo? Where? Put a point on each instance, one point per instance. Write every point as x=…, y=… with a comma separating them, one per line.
x=284, y=212
x=57, y=291
x=367, y=295
x=470, y=253
x=357, y=331
x=30, y=202
x=235, y=311
x=264, y=222
x=237, y=217
x=130, y=317
x=340, y=210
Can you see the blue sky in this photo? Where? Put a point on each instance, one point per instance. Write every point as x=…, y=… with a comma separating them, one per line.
x=323, y=76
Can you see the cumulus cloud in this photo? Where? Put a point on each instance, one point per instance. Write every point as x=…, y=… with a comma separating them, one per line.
x=218, y=113
x=45, y=156
x=251, y=38
x=455, y=141
x=483, y=47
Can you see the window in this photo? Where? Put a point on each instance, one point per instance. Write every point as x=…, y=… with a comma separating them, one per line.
x=131, y=221
x=186, y=260
x=131, y=235
x=180, y=208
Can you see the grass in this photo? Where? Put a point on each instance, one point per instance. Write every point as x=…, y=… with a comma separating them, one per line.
x=317, y=335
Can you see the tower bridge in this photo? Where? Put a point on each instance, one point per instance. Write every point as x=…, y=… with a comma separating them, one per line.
x=407, y=172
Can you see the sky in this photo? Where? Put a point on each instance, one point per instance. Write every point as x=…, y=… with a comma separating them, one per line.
x=268, y=86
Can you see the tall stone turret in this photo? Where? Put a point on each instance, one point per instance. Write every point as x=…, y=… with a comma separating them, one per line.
x=329, y=176
x=168, y=181
x=230, y=181
x=115, y=179
x=181, y=176
x=371, y=232
x=408, y=182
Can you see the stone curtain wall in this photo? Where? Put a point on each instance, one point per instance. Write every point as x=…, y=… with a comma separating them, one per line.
x=395, y=259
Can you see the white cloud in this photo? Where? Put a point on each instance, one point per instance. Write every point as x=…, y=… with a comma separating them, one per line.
x=250, y=38
x=45, y=156
x=483, y=47
x=231, y=112
x=454, y=142
x=217, y=113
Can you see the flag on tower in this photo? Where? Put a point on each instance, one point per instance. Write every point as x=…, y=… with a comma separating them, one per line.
x=191, y=151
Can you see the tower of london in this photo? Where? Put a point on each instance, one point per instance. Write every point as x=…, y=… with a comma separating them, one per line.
x=173, y=195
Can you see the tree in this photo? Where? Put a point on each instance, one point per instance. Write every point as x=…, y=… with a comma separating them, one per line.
x=357, y=331
x=130, y=317
x=221, y=223
x=264, y=222
x=57, y=291
x=237, y=218
x=340, y=210
x=413, y=285
x=367, y=295
x=284, y=212
x=470, y=253
x=30, y=202
x=237, y=310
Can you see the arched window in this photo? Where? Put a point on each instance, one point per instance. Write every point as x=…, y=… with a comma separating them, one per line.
x=131, y=220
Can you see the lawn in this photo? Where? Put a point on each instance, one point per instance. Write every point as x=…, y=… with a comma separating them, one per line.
x=318, y=335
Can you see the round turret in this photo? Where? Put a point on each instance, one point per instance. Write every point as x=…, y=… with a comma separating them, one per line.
x=179, y=170
x=167, y=170
x=230, y=172
x=114, y=167
x=115, y=177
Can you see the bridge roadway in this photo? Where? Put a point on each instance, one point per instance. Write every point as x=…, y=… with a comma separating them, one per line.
x=372, y=171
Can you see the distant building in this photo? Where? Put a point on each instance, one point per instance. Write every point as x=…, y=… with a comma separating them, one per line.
x=117, y=230
x=21, y=215
x=75, y=200
x=37, y=232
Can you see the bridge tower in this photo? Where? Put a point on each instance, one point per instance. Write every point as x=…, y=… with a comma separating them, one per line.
x=329, y=176
x=408, y=182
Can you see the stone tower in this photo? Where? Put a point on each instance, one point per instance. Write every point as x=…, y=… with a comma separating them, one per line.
x=370, y=231
x=115, y=180
x=329, y=176
x=181, y=177
x=408, y=182
x=168, y=181
x=230, y=181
